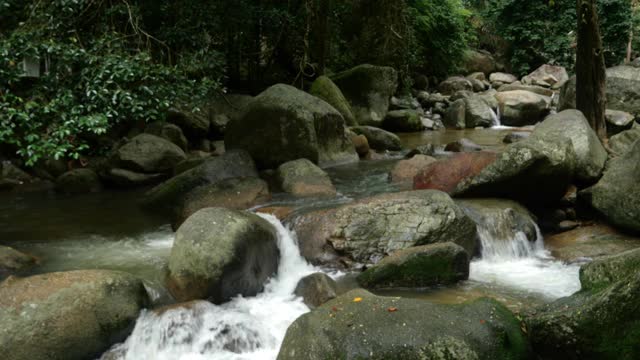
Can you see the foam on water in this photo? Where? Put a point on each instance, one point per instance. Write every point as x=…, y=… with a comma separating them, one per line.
x=244, y=328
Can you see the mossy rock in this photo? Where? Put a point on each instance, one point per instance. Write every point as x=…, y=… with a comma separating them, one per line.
x=328, y=91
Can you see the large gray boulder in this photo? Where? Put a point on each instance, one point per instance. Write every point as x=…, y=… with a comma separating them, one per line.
x=169, y=194
x=618, y=121
x=316, y=289
x=590, y=154
x=284, y=123
x=455, y=117
x=479, y=61
x=378, y=139
x=303, y=178
x=221, y=253
x=406, y=120
x=547, y=75
x=623, y=142
x=478, y=113
x=368, y=89
x=531, y=88
x=617, y=194
x=623, y=90
x=148, y=153
x=361, y=325
x=520, y=108
x=368, y=229
x=454, y=84
x=73, y=315
x=534, y=170
x=417, y=267
x=328, y=91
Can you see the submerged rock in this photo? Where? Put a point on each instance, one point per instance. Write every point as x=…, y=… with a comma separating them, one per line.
x=406, y=170
x=462, y=145
x=445, y=174
x=368, y=89
x=419, y=266
x=316, y=289
x=328, y=91
x=361, y=325
x=72, y=315
x=589, y=242
x=368, y=229
x=220, y=253
x=378, y=139
x=284, y=123
x=303, y=178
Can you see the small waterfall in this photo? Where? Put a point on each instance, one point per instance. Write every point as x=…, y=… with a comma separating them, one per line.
x=495, y=116
x=244, y=328
x=501, y=238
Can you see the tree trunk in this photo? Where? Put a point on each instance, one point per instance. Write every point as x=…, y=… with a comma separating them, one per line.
x=590, y=68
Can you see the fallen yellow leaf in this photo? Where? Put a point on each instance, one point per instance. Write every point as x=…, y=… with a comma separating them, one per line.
x=358, y=299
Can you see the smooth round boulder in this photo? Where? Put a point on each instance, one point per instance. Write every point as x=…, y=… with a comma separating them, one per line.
x=520, y=108
x=378, y=139
x=368, y=89
x=453, y=84
x=284, y=123
x=303, y=178
x=361, y=144
x=148, y=153
x=407, y=120
x=169, y=132
x=417, y=267
x=316, y=289
x=328, y=91
x=478, y=61
x=504, y=78
x=478, y=113
x=195, y=124
x=552, y=75
x=618, y=121
x=72, y=315
x=623, y=142
x=361, y=325
x=406, y=170
x=78, y=181
x=221, y=253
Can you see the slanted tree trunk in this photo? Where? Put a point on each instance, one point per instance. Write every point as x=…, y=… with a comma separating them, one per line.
x=590, y=68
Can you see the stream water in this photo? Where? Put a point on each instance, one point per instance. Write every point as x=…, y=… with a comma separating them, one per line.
x=106, y=231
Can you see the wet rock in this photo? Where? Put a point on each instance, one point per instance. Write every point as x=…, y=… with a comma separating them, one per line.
x=328, y=91
x=377, y=327
x=148, y=154
x=617, y=194
x=284, y=123
x=589, y=242
x=368, y=229
x=166, y=196
x=302, y=178
x=378, y=139
x=550, y=75
x=590, y=154
x=446, y=174
x=406, y=170
x=280, y=212
x=13, y=261
x=169, y=132
x=78, y=181
x=515, y=136
x=220, y=253
x=623, y=142
x=72, y=315
x=502, y=219
x=455, y=117
x=427, y=149
x=478, y=113
x=194, y=124
x=453, y=84
x=316, y=289
x=368, y=89
x=236, y=193
x=419, y=266
x=618, y=121
x=361, y=144
x=504, y=78
x=462, y=145
x=403, y=121
x=519, y=107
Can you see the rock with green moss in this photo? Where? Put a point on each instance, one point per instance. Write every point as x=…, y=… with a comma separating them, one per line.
x=361, y=325
x=406, y=120
x=303, y=178
x=328, y=91
x=617, y=194
x=284, y=123
x=73, y=315
x=368, y=89
x=378, y=139
x=601, y=321
x=221, y=253
x=420, y=266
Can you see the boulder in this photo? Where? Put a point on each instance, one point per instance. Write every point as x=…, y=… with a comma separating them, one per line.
x=361, y=325
x=361, y=144
x=478, y=85
x=453, y=84
x=148, y=154
x=552, y=75
x=622, y=142
x=478, y=113
x=478, y=61
x=195, y=124
x=461, y=94
x=284, y=123
x=169, y=194
x=589, y=242
x=169, y=132
x=531, y=88
x=316, y=289
x=429, y=100
x=462, y=145
x=404, y=103
x=417, y=267
x=378, y=139
x=221, y=253
x=128, y=178
x=72, y=315
x=455, y=117
x=503, y=78
x=623, y=90
x=601, y=321
x=368, y=89
x=328, y=91
x=236, y=193
x=368, y=229
x=515, y=136
x=427, y=149
x=519, y=107
x=445, y=174
x=617, y=194
x=224, y=108
x=618, y=121
x=590, y=154
x=403, y=121
x=78, y=181
x=406, y=170
x=13, y=261
x=534, y=170
x=303, y=178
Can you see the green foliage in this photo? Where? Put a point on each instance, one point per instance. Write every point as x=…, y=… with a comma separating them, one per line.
x=544, y=31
